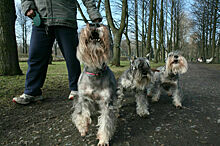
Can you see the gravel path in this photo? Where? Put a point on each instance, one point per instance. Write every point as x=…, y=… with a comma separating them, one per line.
x=198, y=123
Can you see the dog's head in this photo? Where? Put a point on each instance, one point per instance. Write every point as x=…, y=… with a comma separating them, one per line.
x=176, y=63
x=141, y=68
x=95, y=45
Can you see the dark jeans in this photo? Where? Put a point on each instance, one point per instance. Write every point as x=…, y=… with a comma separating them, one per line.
x=40, y=51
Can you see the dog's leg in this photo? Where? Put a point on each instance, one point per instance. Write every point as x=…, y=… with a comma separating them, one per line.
x=81, y=116
x=150, y=91
x=169, y=92
x=157, y=92
x=142, y=104
x=106, y=123
x=120, y=96
x=156, y=95
x=177, y=98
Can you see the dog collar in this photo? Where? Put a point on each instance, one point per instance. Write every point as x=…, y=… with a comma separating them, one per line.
x=96, y=72
x=92, y=74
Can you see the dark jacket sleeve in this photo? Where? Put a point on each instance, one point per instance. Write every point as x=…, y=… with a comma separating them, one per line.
x=26, y=5
x=92, y=10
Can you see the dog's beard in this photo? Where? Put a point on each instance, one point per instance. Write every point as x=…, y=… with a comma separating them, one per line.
x=140, y=77
x=177, y=66
x=94, y=46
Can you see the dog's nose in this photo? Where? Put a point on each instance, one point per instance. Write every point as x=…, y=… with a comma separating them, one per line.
x=176, y=56
x=95, y=25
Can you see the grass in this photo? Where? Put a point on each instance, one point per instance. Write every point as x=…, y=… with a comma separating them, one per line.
x=56, y=81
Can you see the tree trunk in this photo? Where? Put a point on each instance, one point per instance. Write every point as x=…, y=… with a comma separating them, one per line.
x=9, y=64
x=214, y=32
x=210, y=29
x=155, y=32
x=207, y=32
x=177, y=47
x=161, y=34
x=171, y=29
x=143, y=33
x=117, y=33
x=136, y=27
x=218, y=49
x=127, y=38
x=167, y=38
x=150, y=27
x=174, y=26
x=203, y=35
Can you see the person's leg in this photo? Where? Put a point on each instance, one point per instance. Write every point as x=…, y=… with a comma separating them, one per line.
x=67, y=39
x=39, y=53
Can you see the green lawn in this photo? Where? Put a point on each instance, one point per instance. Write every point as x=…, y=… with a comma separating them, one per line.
x=56, y=81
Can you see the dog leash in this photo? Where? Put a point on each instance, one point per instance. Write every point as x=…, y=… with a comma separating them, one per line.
x=37, y=19
x=155, y=70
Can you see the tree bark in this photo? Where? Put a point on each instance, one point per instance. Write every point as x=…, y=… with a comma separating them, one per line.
x=214, y=32
x=161, y=34
x=9, y=64
x=127, y=38
x=177, y=47
x=155, y=32
x=150, y=27
x=136, y=27
x=143, y=33
x=171, y=29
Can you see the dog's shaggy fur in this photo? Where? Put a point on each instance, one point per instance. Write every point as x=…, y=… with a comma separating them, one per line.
x=168, y=78
x=97, y=84
x=137, y=78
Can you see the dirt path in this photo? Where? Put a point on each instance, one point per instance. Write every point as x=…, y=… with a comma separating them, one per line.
x=198, y=123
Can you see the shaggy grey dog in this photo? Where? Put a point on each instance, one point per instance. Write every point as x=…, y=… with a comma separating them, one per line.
x=167, y=78
x=137, y=79
x=97, y=84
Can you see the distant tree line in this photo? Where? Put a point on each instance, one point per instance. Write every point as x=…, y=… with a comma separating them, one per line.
x=206, y=34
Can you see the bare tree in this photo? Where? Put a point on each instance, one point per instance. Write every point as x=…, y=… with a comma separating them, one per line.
x=161, y=33
x=136, y=26
x=8, y=49
x=155, y=32
x=150, y=27
x=117, y=32
x=214, y=31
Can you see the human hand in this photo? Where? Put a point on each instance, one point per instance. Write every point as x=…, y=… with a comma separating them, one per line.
x=30, y=13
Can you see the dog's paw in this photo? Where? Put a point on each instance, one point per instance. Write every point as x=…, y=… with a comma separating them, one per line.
x=83, y=127
x=103, y=140
x=103, y=144
x=177, y=104
x=143, y=112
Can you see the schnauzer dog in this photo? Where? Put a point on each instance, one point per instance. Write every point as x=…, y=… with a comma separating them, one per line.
x=167, y=78
x=97, y=84
x=137, y=79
